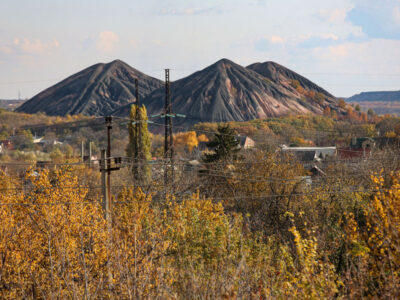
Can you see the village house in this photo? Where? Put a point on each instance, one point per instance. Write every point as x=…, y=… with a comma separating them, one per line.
x=5, y=145
x=43, y=142
x=308, y=154
x=245, y=142
x=358, y=148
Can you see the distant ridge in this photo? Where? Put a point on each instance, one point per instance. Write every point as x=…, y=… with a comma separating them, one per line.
x=226, y=91
x=383, y=96
x=96, y=91
x=384, y=102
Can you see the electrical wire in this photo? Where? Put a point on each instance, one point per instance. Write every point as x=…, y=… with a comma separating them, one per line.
x=246, y=197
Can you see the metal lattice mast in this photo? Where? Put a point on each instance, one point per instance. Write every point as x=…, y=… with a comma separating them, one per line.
x=168, y=139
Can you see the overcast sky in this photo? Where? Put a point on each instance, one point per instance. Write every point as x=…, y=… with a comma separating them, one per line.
x=345, y=46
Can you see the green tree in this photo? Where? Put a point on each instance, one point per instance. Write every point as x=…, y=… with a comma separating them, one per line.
x=224, y=144
x=139, y=146
x=23, y=140
x=370, y=112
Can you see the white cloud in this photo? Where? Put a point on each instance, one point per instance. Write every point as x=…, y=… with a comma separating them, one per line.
x=333, y=16
x=363, y=55
x=107, y=41
x=276, y=39
x=6, y=50
x=26, y=46
x=330, y=36
x=303, y=37
x=338, y=51
x=338, y=15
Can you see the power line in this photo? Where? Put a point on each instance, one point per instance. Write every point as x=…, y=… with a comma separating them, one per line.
x=246, y=197
x=162, y=162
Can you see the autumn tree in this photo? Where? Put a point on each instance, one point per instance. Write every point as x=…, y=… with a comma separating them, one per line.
x=23, y=139
x=372, y=242
x=54, y=243
x=327, y=111
x=342, y=103
x=387, y=124
x=202, y=138
x=187, y=140
x=370, y=112
x=139, y=146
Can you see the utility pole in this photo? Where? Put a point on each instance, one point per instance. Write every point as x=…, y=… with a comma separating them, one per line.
x=90, y=154
x=109, y=127
x=106, y=169
x=168, y=139
x=104, y=188
x=106, y=204
x=82, y=150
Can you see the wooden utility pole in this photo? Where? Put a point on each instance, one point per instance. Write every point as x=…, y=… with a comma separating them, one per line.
x=106, y=169
x=90, y=154
x=109, y=127
x=104, y=188
x=82, y=150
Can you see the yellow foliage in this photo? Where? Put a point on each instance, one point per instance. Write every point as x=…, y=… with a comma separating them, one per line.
x=55, y=243
x=186, y=139
x=372, y=239
x=390, y=134
x=51, y=240
x=202, y=138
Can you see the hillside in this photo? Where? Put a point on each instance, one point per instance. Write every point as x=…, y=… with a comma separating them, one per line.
x=94, y=91
x=375, y=96
x=285, y=77
x=226, y=91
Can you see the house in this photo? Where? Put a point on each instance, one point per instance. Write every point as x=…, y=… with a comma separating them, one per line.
x=93, y=159
x=317, y=172
x=37, y=140
x=308, y=154
x=42, y=142
x=245, y=142
x=358, y=148
x=5, y=145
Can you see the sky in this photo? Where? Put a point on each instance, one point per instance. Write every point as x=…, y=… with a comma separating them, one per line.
x=345, y=46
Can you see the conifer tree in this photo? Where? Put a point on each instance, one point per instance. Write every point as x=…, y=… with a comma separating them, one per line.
x=224, y=144
x=139, y=146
